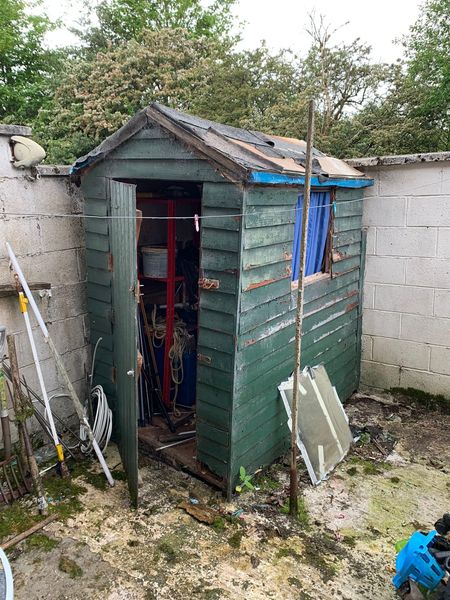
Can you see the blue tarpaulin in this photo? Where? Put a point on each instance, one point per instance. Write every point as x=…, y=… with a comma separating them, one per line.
x=319, y=218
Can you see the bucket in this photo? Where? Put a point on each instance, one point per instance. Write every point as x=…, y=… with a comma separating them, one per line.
x=154, y=261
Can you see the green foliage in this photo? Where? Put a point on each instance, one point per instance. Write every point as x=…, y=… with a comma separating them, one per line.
x=112, y=22
x=27, y=68
x=245, y=480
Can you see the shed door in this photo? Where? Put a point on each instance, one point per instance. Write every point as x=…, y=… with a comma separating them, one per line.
x=125, y=284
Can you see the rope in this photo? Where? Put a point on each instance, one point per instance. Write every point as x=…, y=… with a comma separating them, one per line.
x=181, y=337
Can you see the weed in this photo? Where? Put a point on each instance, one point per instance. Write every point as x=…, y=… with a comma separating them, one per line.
x=245, y=480
x=352, y=471
x=394, y=480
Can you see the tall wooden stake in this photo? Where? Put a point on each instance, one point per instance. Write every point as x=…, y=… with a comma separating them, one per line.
x=293, y=500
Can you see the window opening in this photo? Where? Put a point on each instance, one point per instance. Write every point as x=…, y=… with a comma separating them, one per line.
x=319, y=235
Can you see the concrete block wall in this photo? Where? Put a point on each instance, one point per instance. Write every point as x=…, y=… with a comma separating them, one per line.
x=406, y=317
x=49, y=249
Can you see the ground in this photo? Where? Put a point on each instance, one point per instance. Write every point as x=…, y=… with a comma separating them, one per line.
x=341, y=546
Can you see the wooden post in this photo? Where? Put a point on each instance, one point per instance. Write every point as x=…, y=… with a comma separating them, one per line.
x=293, y=495
x=20, y=411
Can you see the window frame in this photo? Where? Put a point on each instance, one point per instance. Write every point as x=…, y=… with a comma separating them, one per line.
x=328, y=251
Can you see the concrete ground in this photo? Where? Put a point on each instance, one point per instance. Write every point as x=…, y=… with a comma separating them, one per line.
x=341, y=546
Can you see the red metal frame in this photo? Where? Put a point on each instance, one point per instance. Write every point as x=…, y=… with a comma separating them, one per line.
x=170, y=299
x=170, y=280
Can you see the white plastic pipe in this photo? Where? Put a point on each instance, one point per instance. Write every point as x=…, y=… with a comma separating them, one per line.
x=27, y=290
x=41, y=380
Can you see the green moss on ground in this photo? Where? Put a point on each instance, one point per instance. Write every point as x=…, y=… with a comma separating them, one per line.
x=302, y=511
x=423, y=399
x=69, y=566
x=235, y=540
x=41, y=541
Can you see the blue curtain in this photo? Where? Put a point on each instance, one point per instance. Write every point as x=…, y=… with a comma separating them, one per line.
x=319, y=217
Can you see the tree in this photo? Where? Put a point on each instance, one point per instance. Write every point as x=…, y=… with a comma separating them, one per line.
x=340, y=77
x=27, y=67
x=124, y=20
x=428, y=72
x=97, y=97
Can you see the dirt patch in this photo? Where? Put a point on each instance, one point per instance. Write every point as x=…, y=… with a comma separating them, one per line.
x=342, y=546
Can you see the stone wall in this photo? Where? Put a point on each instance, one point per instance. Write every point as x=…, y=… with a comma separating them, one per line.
x=50, y=249
x=406, y=318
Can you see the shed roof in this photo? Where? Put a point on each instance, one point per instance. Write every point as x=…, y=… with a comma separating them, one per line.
x=240, y=154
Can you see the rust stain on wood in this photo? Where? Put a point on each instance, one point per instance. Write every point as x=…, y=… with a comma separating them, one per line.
x=254, y=286
x=208, y=284
x=351, y=306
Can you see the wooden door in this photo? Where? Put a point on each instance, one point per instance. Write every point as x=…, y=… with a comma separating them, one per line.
x=125, y=288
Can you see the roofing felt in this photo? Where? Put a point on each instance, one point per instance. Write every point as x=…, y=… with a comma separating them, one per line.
x=234, y=151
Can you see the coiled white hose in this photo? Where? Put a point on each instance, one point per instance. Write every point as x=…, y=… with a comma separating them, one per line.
x=102, y=427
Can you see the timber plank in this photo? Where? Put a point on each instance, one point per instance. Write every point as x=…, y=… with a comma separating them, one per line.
x=96, y=241
x=272, y=195
x=99, y=276
x=97, y=259
x=215, y=434
x=253, y=298
x=257, y=257
x=214, y=378
x=221, y=361
x=347, y=223
x=268, y=236
x=176, y=170
x=221, y=218
x=226, y=195
x=99, y=292
x=254, y=278
x=265, y=312
x=219, y=239
x=219, y=260
x=218, y=301
x=213, y=415
x=213, y=396
x=218, y=321
x=150, y=149
x=217, y=340
x=268, y=216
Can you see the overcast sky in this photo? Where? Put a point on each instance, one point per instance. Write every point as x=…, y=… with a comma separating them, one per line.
x=282, y=22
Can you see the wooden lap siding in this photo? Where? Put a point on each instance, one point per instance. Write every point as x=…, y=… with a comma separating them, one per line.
x=150, y=154
x=220, y=257
x=264, y=354
x=99, y=282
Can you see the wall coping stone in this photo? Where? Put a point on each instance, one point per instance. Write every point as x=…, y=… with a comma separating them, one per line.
x=399, y=159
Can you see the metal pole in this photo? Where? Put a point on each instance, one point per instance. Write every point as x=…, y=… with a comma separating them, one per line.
x=293, y=500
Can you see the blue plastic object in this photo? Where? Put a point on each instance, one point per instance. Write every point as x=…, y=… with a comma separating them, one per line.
x=416, y=562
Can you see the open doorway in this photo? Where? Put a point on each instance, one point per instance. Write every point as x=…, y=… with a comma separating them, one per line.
x=168, y=262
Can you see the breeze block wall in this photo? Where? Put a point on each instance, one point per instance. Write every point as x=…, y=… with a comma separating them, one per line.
x=51, y=250
x=406, y=317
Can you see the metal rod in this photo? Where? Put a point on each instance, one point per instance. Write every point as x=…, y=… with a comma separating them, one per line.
x=293, y=492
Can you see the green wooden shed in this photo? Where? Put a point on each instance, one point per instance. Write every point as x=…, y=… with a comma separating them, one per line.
x=231, y=198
